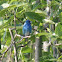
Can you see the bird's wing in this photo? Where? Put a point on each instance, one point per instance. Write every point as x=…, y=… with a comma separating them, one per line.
x=26, y=29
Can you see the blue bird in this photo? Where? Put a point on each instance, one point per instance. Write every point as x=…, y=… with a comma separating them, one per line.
x=27, y=29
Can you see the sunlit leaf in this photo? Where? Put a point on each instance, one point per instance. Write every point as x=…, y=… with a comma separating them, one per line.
x=13, y=1
x=5, y=5
x=60, y=16
x=26, y=50
x=43, y=33
x=4, y=11
x=58, y=29
x=48, y=21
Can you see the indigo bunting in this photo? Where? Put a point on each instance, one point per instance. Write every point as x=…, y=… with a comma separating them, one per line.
x=27, y=28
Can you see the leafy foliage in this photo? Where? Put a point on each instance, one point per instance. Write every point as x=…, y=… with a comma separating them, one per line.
x=35, y=16
x=36, y=12
x=58, y=29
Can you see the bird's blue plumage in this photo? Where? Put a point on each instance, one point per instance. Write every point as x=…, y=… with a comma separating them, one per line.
x=27, y=28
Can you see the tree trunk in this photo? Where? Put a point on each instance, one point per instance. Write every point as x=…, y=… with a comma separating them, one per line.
x=38, y=46
x=38, y=49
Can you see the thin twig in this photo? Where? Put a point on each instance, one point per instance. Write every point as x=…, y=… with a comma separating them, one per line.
x=15, y=49
x=58, y=44
x=22, y=38
x=6, y=50
x=11, y=33
x=23, y=45
x=19, y=20
x=15, y=20
x=17, y=35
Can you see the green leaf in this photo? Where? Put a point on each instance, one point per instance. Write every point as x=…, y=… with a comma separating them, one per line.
x=11, y=7
x=43, y=13
x=32, y=38
x=21, y=4
x=13, y=1
x=34, y=16
x=3, y=49
x=36, y=6
x=44, y=38
x=60, y=16
x=8, y=42
x=4, y=11
x=26, y=50
x=58, y=29
x=11, y=18
x=55, y=5
x=4, y=25
x=20, y=14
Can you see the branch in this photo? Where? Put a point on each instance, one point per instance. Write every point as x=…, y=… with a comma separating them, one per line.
x=12, y=28
x=15, y=20
x=17, y=35
x=58, y=44
x=11, y=33
x=23, y=45
x=6, y=50
x=22, y=37
x=19, y=20
x=12, y=38
x=15, y=42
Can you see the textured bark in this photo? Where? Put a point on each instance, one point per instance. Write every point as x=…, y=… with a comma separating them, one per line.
x=37, y=44
x=37, y=50
x=40, y=47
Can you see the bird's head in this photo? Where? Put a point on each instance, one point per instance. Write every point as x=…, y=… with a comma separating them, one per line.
x=28, y=21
